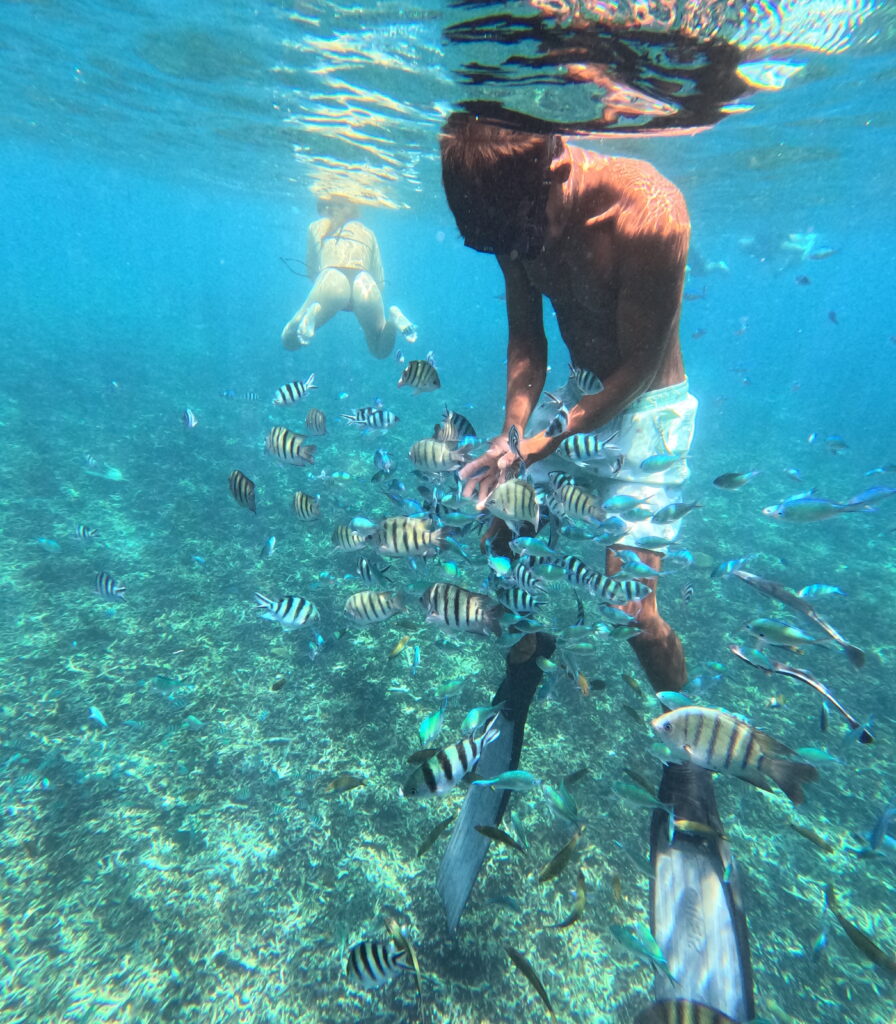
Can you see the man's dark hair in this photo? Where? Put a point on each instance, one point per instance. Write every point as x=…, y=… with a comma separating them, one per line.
x=496, y=181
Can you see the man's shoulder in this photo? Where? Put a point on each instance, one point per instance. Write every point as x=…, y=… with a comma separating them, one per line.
x=643, y=199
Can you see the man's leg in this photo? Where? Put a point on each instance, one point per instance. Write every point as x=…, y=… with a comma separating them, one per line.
x=329, y=294
x=657, y=646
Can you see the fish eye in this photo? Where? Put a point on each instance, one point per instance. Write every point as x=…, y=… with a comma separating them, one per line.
x=667, y=727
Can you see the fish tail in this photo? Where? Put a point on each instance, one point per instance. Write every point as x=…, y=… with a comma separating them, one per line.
x=789, y=776
x=493, y=619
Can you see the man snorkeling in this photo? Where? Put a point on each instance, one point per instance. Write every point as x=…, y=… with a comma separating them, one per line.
x=344, y=262
x=605, y=240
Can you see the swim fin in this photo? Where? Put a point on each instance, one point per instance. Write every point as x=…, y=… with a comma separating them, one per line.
x=695, y=907
x=467, y=848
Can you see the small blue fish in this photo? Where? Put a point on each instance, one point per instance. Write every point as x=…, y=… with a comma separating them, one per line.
x=476, y=717
x=268, y=548
x=515, y=781
x=660, y=462
x=881, y=826
x=726, y=568
x=639, y=940
x=96, y=716
x=48, y=544
x=431, y=726
x=819, y=590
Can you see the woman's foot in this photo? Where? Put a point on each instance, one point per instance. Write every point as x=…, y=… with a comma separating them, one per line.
x=308, y=323
x=402, y=324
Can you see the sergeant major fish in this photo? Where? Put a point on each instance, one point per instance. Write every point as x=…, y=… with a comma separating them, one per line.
x=440, y=773
x=289, y=447
x=373, y=606
x=374, y=964
x=721, y=742
x=516, y=503
x=108, y=587
x=420, y=375
x=290, y=393
x=461, y=610
x=291, y=612
x=242, y=489
x=403, y=536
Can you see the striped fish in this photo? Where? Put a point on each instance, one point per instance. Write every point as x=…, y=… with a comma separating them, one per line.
x=435, y=456
x=347, y=539
x=461, y=610
x=516, y=502
x=189, y=420
x=289, y=447
x=316, y=422
x=587, y=381
x=372, y=573
x=585, y=448
x=373, y=606
x=439, y=774
x=616, y=591
x=577, y=503
x=722, y=742
x=454, y=428
x=419, y=375
x=374, y=964
x=108, y=587
x=559, y=423
x=578, y=573
x=519, y=601
x=403, y=536
x=682, y=1011
x=305, y=507
x=291, y=612
x=524, y=577
x=294, y=390
x=242, y=489
x=82, y=532
x=371, y=418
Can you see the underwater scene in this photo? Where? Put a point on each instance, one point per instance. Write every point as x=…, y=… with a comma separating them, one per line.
x=361, y=666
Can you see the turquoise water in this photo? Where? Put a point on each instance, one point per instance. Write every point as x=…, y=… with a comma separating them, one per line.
x=177, y=859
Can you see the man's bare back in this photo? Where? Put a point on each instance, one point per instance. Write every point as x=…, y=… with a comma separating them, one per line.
x=622, y=218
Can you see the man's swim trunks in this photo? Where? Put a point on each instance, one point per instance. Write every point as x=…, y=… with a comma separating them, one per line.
x=660, y=422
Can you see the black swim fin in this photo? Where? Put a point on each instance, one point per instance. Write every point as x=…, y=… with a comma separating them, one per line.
x=467, y=848
x=695, y=909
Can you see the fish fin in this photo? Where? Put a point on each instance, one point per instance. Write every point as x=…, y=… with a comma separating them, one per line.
x=493, y=619
x=790, y=776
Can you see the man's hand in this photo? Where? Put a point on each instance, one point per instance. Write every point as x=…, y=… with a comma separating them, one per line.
x=482, y=475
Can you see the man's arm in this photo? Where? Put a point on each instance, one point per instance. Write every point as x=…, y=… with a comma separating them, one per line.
x=651, y=267
x=527, y=363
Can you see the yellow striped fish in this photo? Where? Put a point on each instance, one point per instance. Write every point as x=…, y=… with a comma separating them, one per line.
x=347, y=539
x=242, y=489
x=289, y=447
x=725, y=743
x=403, y=536
x=435, y=456
x=304, y=506
x=316, y=422
x=419, y=375
x=462, y=610
x=577, y=503
x=373, y=606
x=516, y=502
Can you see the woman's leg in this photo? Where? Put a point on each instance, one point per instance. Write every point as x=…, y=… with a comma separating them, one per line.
x=367, y=303
x=329, y=294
